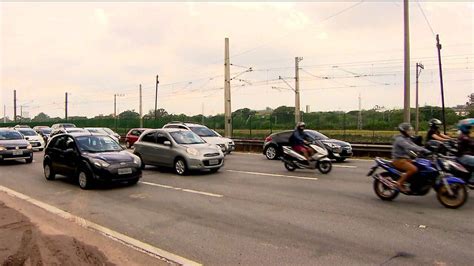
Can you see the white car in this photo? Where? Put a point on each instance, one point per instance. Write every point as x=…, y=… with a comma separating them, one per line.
x=104, y=131
x=36, y=140
x=210, y=136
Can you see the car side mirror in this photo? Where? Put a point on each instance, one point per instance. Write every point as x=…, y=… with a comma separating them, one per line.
x=167, y=143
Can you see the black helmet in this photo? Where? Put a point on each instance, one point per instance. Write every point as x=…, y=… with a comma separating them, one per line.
x=405, y=127
x=435, y=123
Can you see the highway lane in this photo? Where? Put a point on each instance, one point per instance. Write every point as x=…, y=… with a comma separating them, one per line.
x=255, y=212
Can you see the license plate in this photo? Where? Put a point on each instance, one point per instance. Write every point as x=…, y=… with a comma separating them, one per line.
x=17, y=152
x=213, y=162
x=124, y=171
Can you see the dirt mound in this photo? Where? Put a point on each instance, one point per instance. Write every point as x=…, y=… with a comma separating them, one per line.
x=22, y=243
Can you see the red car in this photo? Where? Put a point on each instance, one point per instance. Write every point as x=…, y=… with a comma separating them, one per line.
x=133, y=135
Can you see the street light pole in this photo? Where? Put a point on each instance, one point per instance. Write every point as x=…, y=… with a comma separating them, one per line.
x=419, y=67
x=156, y=96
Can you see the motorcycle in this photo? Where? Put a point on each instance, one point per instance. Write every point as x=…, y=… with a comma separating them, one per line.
x=294, y=160
x=451, y=191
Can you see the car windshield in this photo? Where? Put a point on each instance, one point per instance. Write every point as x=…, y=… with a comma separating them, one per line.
x=203, y=131
x=8, y=135
x=186, y=137
x=97, y=144
x=27, y=132
x=316, y=135
x=45, y=131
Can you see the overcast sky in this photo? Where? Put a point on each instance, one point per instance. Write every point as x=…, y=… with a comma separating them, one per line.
x=94, y=50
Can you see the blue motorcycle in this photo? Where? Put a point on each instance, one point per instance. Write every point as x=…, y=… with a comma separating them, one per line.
x=451, y=191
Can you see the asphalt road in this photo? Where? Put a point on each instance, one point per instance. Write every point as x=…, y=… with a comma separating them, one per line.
x=254, y=212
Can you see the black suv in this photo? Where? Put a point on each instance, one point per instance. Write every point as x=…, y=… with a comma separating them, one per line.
x=338, y=150
x=90, y=158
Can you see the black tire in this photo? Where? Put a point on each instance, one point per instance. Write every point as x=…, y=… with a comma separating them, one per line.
x=455, y=201
x=380, y=189
x=340, y=160
x=324, y=167
x=271, y=152
x=180, y=166
x=133, y=182
x=29, y=160
x=290, y=167
x=215, y=170
x=41, y=149
x=48, y=171
x=84, y=179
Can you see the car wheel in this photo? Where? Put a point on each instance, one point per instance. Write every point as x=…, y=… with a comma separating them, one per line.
x=84, y=179
x=41, y=149
x=29, y=160
x=340, y=160
x=48, y=172
x=133, y=182
x=180, y=167
x=214, y=170
x=271, y=153
x=127, y=144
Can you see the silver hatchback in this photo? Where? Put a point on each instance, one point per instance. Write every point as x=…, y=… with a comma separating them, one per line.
x=181, y=149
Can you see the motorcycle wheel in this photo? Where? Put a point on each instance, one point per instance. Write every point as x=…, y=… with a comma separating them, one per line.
x=290, y=167
x=454, y=201
x=324, y=167
x=384, y=192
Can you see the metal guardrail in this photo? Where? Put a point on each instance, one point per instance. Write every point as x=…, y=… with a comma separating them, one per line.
x=363, y=150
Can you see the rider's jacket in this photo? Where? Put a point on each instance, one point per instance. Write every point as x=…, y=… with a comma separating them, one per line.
x=402, y=145
x=298, y=137
x=465, y=145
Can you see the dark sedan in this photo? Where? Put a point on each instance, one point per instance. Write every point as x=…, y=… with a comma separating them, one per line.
x=13, y=146
x=338, y=150
x=90, y=158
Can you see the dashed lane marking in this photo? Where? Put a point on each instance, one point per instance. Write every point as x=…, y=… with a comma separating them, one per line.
x=344, y=166
x=274, y=175
x=114, y=235
x=183, y=189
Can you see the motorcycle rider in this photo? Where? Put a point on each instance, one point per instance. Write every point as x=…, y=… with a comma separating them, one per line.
x=466, y=148
x=298, y=141
x=434, y=133
x=402, y=146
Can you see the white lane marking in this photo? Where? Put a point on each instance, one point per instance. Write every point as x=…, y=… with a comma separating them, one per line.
x=121, y=238
x=344, y=166
x=248, y=153
x=275, y=175
x=183, y=189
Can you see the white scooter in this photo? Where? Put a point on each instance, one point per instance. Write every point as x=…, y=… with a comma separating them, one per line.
x=294, y=160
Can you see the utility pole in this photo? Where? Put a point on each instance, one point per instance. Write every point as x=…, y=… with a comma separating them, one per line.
x=115, y=106
x=4, y=113
x=297, y=90
x=438, y=45
x=141, y=114
x=418, y=72
x=65, y=106
x=406, y=105
x=156, y=96
x=14, y=105
x=359, y=118
x=21, y=112
x=227, y=96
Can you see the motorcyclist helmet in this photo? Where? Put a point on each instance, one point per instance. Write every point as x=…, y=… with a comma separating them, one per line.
x=405, y=128
x=300, y=125
x=435, y=123
x=464, y=127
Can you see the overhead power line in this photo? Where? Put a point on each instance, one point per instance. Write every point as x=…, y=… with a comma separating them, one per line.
x=426, y=19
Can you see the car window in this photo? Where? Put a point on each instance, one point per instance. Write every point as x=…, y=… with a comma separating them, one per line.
x=61, y=143
x=203, y=131
x=52, y=143
x=149, y=137
x=186, y=137
x=70, y=143
x=171, y=126
x=7, y=135
x=161, y=138
x=97, y=143
x=45, y=130
x=316, y=135
x=27, y=132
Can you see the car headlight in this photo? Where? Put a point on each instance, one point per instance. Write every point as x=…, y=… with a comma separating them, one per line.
x=192, y=151
x=100, y=163
x=2, y=148
x=137, y=161
x=29, y=147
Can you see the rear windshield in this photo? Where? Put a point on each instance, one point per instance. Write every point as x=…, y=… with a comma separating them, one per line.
x=68, y=125
x=27, y=132
x=203, y=131
x=8, y=135
x=45, y=130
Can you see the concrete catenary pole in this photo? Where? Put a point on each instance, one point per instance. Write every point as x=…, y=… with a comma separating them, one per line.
x=14, y=106
x=297, y=90
x=406, y=98
x=438, y=45
x=156, y=95
x=4, y=113
x=140, y=108
x=417, y=122
x=65, y=106
x=227, y=96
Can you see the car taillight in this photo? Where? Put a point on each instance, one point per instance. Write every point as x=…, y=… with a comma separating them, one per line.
x=268, y=139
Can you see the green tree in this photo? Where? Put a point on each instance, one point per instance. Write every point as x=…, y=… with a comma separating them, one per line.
x=41, y=117
x=129, y=114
